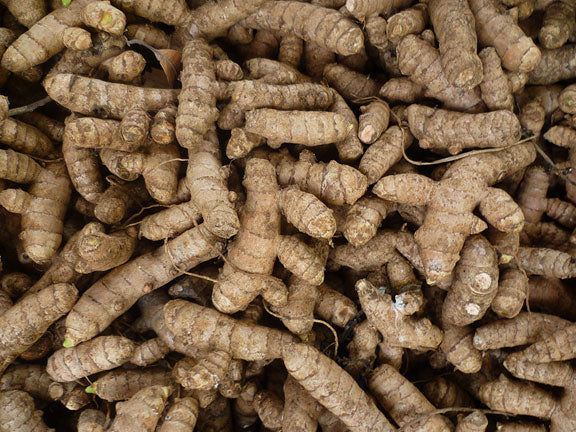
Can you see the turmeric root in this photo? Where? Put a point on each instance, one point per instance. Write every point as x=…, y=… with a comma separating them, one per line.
x=558, y=346
x=170, y=222
x=475, y=283
x=512, y=289
x=18, y=414
x=246, y=341
x=350, y=148
x=25, y=322
x=208, y=189
x=99, y=354
x=334, y=306
x=309, y=366
x=407, y=331
x=546, y=262
x=517, y=51
x=553, y=66
x=20, y=57
x=91, y=420
x=493, y=129
x=350, y=84
x=408, y=21
x=474, y=422
x=325, y=27
x=123, y=384
x=119, y=199
x=32, y=379
x=438, y=254
x=197, y=110
x=365, y=8
x=558, y=24
x=403, y=401
x=454, y=27
x=309, y=128
x=495, y=87
x=269, y=408
x=181, y=416
x=307, y=213
x=364, y=217
x=150, y=34
x=421, y=62
x=124, y=285
x=551, y=295
x=558, y=374
x=93, y=97
x=301, y=411
x=25, y=138
x=523, y=329
x=142, y=411
x=373, y=121
x=42, y=207
x=401, y=89
x=313, y=177
x=156, y=11
x=385, y=152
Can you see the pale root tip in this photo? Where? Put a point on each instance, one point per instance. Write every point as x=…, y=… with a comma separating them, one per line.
x=67, y=343
x=90, y=390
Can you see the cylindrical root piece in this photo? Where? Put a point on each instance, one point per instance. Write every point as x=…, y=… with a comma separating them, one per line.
x=350, y=84
x=495, y=87
x=325, y=27
x=181, y=416
x=269, y=408
x=384, y=153
x=364, y=218
x=163, y=126
x=421, y=62
x=301, y=259
x=247, y=341
x=197, y=110
x=25, y=322
x=125, y=67
x=301, y=411
x=517, y=398
x=397, y=329
x=76, y=38
x=91, y=420
x=170, y=222
x=18, y=414
x=142, y=411
x=403, y=401
x=475, y=283
x=409, y=21
x=334, y=306
x=512, y=289
x=310, y=128
x=523, y=329
x=334, y=183
x=103, y=16
x=546, y=262
x=475, y=422
x=350, y=404
x=454, y=27
x=558, y=25
x=123, y=384
x=96, y=355
x=517, y=51
x=307, y=213
x=373, y=121
x=208, y=189
x=454, y=131
x=401, y=89
x=458, y=347
x=241, y=143
x=567, y=100
x=298, y=313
